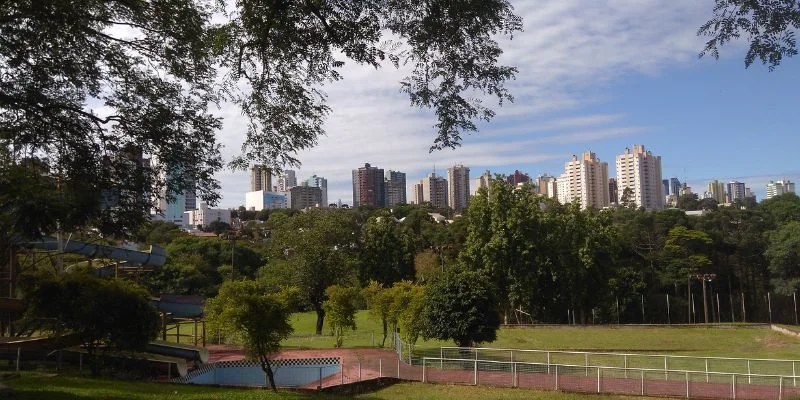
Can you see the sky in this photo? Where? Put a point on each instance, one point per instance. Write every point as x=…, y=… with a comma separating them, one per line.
x=593, y=76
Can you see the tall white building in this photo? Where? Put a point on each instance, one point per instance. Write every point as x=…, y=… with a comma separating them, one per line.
x=584, y=180
x=483, y=181
x=173, y=209
x=286, y=180
x=322, y=184
x=640, y=171
x=458, y=187
x=434, y=190
x=778, y=188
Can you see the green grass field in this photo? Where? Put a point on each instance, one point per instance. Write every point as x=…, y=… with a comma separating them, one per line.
x=745, y=341
x=36, y=386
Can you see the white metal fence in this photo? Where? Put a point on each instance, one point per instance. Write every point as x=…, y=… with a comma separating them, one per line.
x=602, y=372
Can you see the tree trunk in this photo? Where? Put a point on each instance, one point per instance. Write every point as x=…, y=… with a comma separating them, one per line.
x=265, y=365
x=320, y=319
x=385, y=332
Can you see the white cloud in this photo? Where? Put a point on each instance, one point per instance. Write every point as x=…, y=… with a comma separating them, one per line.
x=568, y=56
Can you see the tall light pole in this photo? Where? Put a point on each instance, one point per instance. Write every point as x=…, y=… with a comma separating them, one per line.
x=704, y=278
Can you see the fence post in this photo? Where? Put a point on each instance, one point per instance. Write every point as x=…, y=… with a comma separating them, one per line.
x=19, y=353
x=341, y=372
x=380, y=368
x=476, y=372
x=748, y=371
x=642, y=371
x=586, y=363
x=794, y=375
x=359, y=370
x=598, y=379
x=423, y=369
x=548, y=363
x=666, y=373
x=625, y=357
x=398, y=368
x=733, y=385
x=780, y=388
x=687, y=384
x=512, y=356
x=556, y=376
x=320, y=378
x=410, y=362
x=441, y=357
x=373, y=338
x=514, y=375
x=706, y=369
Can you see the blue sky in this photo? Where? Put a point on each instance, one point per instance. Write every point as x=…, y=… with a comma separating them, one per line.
x=597, y=76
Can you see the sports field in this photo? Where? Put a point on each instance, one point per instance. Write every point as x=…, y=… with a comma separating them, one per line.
x=736, y=341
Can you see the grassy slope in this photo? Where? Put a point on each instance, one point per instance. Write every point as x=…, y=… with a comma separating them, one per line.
x=41, y=386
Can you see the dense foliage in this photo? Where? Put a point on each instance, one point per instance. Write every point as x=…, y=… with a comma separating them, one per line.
x=104, y=314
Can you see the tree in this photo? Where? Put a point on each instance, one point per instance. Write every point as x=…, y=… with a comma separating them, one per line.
x=461, y=306
x=340, y=307
x=379, y=303
x=246, y=313
x=104, y=314
x=627, y=199
x=149, y=69
x=783, y=208
x=313, y=250
x=218, y=227
x=783, y=254
x=769, y=26
x=408, y=301
x=688, y=202
x=686, y=251
x=387, y=252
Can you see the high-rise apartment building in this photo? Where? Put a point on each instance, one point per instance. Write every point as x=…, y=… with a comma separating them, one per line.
x=305, y=196
x=716, y=191
x=458, y=189
x=778, y=188
x=418, y=199
x=322, y=184
x=584, y=180
x=172, y=210
x=263, y=200
x=434, y=190
x=735, y=191
x=369, y=187
x=613, y=191
x=261, y=178
x=546, y=186
x=640, y=171
x=287, y=180
x=483, y=181
x=395, y=188
x=518, y=178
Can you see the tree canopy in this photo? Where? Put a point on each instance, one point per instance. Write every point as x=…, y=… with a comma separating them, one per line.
x=89, y=88
x=769, y=26
x=111, y=313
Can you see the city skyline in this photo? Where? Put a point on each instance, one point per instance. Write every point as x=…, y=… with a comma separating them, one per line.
x=629, y=75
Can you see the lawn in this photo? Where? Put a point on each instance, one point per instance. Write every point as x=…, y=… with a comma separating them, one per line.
x=744, y=341
x=33, y=385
